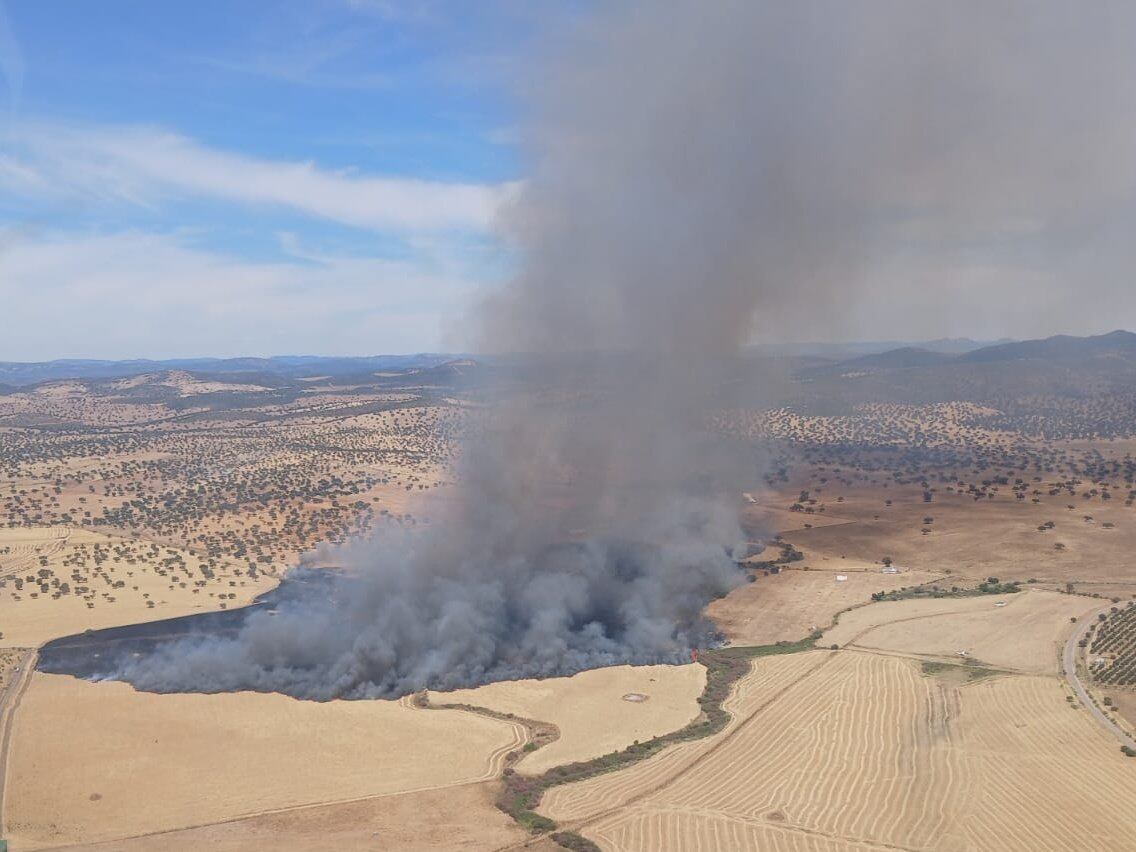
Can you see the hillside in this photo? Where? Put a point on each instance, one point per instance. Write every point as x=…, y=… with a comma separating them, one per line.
x=22, y=374
x=1059, y=386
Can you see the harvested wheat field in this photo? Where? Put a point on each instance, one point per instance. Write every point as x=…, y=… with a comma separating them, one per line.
x=589, y=708
x=450, y=819
x=770, y=676
x=864, y=752
x=791, y=604
x=1023, y=632
x=99, y=761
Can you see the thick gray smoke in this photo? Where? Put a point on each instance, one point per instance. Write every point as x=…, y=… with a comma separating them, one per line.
x=696, y=172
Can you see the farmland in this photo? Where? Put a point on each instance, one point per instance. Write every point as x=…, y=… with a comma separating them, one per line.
x=999, y=763
x=595, y=712
x=261, y=753
x=947, y=551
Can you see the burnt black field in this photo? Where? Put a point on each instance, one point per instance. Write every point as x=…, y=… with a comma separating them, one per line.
x=95, y=654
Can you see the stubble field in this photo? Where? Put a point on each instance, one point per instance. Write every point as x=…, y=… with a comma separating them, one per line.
x=133, y=763
x=851, y=750
x=894, y=741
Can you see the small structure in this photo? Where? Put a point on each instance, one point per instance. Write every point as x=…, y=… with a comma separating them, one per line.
x=840, y=578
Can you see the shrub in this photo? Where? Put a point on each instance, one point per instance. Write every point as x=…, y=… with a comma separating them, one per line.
x=575, y=842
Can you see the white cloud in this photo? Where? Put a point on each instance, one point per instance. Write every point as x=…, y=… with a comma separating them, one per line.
x=134, y=294
x=141, y=165
x=19, y=176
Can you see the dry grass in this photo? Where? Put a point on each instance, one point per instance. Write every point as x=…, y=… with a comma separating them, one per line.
x=769, y=677
x=455, y=818
x=1026, y=634
x=99, y=761
x=791, y=604
x=975, y=539
x=1124, y=700
x=149, y=590
x=865, y=752
x=589, y=710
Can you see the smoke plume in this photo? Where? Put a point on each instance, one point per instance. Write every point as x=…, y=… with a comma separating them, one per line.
x=696, y=173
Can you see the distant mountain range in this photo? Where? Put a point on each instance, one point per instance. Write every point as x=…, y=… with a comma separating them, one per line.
x=957, y=368
x=1059, y=349
x=17, y=374
x=14, y=374
x=1060, y=386
x=843, y=351
x=1062, y=347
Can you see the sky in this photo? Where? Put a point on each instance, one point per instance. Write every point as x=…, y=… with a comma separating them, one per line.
x=330, y=176
x=251, y=178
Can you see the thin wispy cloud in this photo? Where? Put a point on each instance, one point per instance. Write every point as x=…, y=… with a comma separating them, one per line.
x=143, y=166
x=313, y=59
x=136, y=286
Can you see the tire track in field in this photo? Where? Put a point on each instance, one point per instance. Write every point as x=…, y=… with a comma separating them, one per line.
x=724, y=740
x=9, y=703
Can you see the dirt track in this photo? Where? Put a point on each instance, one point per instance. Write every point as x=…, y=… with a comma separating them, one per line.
x=9, y=702
x=1069, y=665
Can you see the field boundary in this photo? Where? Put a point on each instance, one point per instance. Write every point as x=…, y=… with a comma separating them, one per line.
x=9, y=703
x=521, y=794
x=1069, y=661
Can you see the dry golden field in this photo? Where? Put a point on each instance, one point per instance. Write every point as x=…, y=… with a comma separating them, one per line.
x=791, y=604
x=590, y=710
x=900, y=748
x=767, y=682
x=460, y=818
x=865, y=752
x=58, y=581
x=975, y=539
x=892, y=742
x=1023, y=632
x=130, y=763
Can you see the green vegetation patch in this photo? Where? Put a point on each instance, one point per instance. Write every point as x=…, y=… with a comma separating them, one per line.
x=577, y=843
x=990, y=586
x=964, y=672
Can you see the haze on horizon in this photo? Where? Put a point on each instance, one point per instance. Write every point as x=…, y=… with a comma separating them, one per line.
x=334, y=179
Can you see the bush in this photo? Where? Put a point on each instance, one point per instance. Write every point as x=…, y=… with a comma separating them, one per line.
x=535, y=823
x=572, y=840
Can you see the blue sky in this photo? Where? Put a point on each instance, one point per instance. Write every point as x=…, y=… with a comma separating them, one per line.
x=326, y=176
x=225, y=178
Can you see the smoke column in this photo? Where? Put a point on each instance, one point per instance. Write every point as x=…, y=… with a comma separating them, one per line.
x=696, y=173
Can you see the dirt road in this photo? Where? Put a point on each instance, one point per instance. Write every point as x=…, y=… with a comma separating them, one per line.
x=1069, y=664
x=9, y=701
